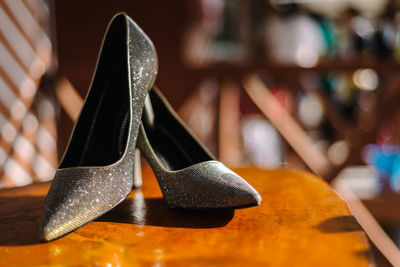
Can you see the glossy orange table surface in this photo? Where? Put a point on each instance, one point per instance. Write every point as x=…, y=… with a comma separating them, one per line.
x=300, y=222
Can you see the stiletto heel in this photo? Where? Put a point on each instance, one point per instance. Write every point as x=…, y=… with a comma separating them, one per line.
x=137, y=171
x=188, y=175
x=96, y=171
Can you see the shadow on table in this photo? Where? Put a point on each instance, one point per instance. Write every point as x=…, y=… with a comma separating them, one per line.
x=343, y=224
x=20, y=217
x=19, y=220
x=155, y=212
x=339, y=224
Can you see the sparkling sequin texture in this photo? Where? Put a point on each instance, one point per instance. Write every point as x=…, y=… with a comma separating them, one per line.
x=81, y=194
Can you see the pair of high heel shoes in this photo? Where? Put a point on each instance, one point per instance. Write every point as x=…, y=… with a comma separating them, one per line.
x=124, y=111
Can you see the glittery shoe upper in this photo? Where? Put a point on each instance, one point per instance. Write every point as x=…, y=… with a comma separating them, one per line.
x=79, y=195
x=96, y=171
x=207, y=185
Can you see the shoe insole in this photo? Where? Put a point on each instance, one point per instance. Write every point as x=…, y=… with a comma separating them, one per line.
x=101, y=131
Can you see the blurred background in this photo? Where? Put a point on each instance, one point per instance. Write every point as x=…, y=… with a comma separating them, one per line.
x=306, y=84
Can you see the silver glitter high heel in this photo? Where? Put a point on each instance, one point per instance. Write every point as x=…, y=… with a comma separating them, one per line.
x=187, y=173
x=96, y=172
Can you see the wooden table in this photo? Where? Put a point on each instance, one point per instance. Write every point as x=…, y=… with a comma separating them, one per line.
x=301, y=222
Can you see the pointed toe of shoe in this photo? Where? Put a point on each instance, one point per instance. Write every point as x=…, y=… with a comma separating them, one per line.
x=78, y=196
x=49, y=231
x=235, y=192
x=208, y=185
